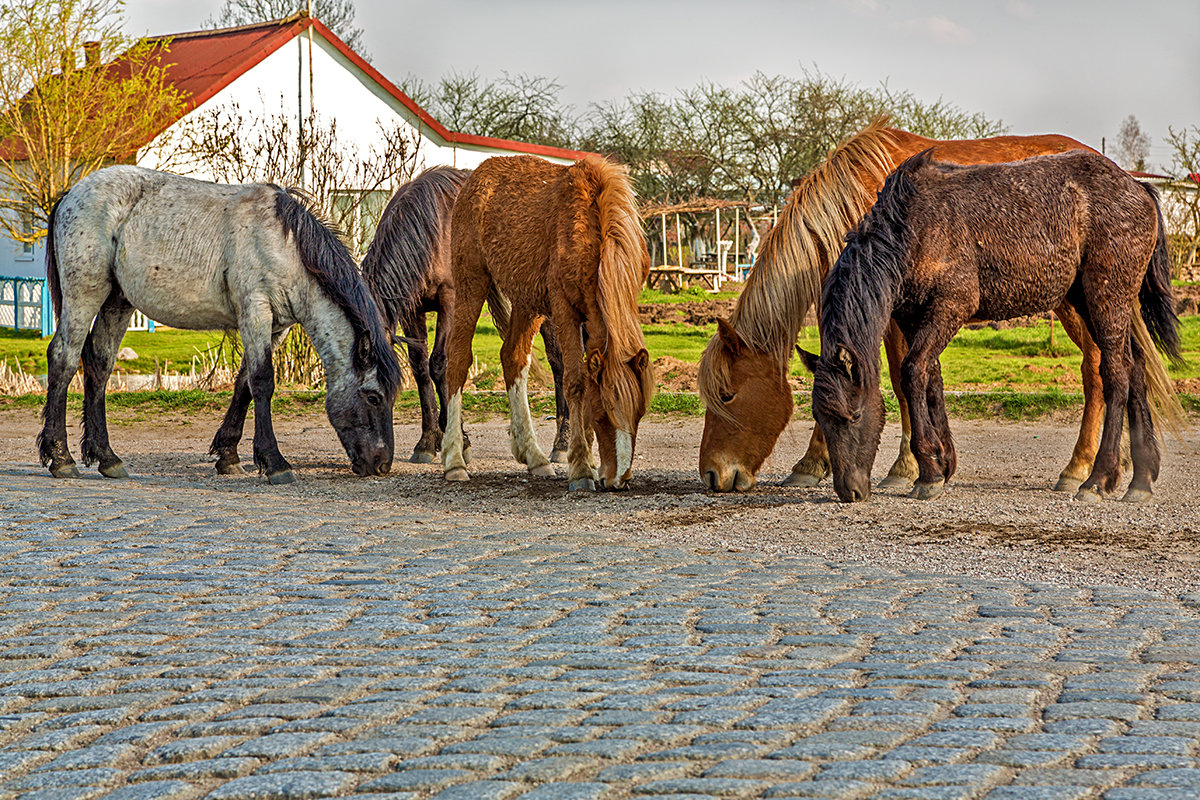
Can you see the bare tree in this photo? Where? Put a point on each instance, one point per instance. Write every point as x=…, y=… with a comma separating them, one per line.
x=349, y=184
x=1133, y=146
x=520, y=107
x=61, y=119
x=338, y=15
x=1181, y=203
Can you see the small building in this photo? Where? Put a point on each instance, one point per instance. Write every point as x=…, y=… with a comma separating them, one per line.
x=286, y=68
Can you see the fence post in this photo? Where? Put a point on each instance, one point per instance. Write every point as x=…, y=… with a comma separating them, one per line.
x=47, y=310
x=16, y=284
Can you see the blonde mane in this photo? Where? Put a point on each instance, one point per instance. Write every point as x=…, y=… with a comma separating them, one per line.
x=624, y=265
x=806, y=240
x=795, y=255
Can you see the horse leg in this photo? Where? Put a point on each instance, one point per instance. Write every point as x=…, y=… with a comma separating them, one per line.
x=468, y=304
x=420, y=360
x=1113, y=339
x=1084, y=454
x=904, y=470
x=99, y=355
x=437, y=361
x=258, y=343
x=1143, y=446
x=62, y=358
x=562, y=414
x=515, y=356
x=920, y=374
x=225, y=442
x=581, y=469
x=813, y=467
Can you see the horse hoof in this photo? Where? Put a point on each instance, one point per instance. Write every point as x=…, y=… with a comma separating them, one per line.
x=558, y=456
x=927, y=491
x=421, y=457
x=458, y=475
x=1137, y=496
x=896, y=482
x=1088, y=495
x=542, y=471
x=230, y=468
x=467, y=455
x=582, y=485
x=281, y=477
x=116, y=470
x=1066, y=484
x=802, y=479
x=65, y=471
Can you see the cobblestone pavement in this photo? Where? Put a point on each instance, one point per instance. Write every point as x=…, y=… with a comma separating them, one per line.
x=216, y=643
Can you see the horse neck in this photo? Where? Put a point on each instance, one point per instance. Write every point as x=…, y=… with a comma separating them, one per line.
x=332, y=335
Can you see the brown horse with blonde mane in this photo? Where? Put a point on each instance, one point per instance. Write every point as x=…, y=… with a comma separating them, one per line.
x=743, y=372
x=564, y=243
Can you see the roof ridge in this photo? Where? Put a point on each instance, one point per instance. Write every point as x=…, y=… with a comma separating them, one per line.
x=282, y=22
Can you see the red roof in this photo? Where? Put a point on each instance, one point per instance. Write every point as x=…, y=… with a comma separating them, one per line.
x=202, y=63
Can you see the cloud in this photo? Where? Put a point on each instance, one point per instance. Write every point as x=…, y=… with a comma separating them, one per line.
x=1019, y=9
x=939, y=29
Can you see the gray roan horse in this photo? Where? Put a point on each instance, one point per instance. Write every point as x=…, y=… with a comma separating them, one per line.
x=945, y=244
x=407, y=268
x=204, y=256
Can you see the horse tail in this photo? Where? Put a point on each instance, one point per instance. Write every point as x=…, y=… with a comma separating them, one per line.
x=623, y=269
x=52, y=277
x=1158, y=326
x=399, y=261
x=1156, y=296
x=327, y=259
x=501, y=310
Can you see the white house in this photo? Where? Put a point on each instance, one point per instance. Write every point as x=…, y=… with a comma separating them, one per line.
x=287, y=68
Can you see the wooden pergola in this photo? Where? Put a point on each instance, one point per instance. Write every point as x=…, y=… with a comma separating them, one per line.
x=713, y=270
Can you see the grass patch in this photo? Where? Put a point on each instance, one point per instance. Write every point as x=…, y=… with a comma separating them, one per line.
x=692, y=294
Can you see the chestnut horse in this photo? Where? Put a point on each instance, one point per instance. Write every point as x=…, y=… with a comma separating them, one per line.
x=407, y=267
x=563, y=242
x=946, y=243
x=743, y=372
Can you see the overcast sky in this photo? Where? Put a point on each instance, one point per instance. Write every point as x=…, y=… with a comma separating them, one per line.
x=1078, y=68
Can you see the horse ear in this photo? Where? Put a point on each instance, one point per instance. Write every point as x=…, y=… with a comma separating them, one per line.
x=595, y=364
x=363, y=353
x=809, y=359
x=845, y=358
x=640, y=362
x=729, y=337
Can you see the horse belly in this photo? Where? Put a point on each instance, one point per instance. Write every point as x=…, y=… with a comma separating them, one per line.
x=1025, y=286
x=179, y=295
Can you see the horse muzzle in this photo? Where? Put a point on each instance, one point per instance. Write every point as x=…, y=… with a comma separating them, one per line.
x=728, y=478
x=376, y=464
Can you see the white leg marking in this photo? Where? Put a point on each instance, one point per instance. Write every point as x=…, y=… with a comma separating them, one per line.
x=624, y=453
x=452, y=442
x=520, y=427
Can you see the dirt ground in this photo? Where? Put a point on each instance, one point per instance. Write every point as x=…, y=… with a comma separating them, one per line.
x=999, y=517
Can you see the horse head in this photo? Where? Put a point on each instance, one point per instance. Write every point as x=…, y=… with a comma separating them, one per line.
x=848, y=405
x=359, y=405
x=748, y=403
x=616, y=395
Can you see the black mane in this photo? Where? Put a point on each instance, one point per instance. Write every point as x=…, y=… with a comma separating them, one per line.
x=397, y=262
x=863, y=285
x=328, y=260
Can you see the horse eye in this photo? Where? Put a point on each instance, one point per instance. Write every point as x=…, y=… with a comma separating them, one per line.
x=856, y=416
x=727, y=398
x=374, y=399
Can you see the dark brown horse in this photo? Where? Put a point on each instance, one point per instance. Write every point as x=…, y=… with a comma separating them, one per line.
x=945, y=244
x=743, y=373
x=407, y=267
x=564, y=243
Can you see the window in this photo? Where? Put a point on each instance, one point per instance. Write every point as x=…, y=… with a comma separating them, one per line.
x=357, y=213
x=27, y=230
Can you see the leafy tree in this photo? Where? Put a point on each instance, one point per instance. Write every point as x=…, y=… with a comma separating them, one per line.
x=1133, y=146
x=338, y=15
x=61, y=119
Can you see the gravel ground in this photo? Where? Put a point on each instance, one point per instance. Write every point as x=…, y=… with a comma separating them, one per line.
x=998, y=518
